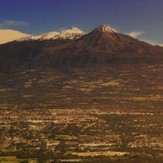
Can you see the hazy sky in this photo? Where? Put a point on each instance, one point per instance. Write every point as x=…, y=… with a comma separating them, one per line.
x=144, y=18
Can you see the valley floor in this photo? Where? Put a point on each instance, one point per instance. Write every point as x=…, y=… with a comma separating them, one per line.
x=82, y=135
x=109, y=114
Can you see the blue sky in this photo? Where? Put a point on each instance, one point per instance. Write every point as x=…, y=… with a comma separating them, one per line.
x=144, y=18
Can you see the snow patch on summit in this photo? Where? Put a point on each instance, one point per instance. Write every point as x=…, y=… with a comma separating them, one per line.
x=105, y=29
x=72, y=30
x=71, y=33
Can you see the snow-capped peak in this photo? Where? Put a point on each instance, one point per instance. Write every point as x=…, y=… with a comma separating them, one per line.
x=71, y=33
x=72, y=30
x=106, y=29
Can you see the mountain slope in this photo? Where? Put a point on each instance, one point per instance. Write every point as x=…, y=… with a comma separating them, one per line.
x=8, y=35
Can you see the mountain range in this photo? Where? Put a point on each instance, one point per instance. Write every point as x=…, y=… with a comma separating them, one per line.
x=73, y=47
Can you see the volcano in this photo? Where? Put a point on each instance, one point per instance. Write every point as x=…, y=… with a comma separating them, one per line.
x=103, y=46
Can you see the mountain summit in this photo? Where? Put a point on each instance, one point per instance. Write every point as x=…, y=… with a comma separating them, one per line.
x=102, y=38
x=106, y=29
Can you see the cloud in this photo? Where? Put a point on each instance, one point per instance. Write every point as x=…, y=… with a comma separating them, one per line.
x=135, y=34
x=12, y=23
x=152, y=42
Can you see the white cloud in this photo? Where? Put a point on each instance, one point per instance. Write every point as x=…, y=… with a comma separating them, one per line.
x=12, y=23
x=7, y=35
x=135, y=34
x=150, y=42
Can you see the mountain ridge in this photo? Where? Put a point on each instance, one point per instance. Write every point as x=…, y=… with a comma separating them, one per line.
x=67, y=33
x=70, y=33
